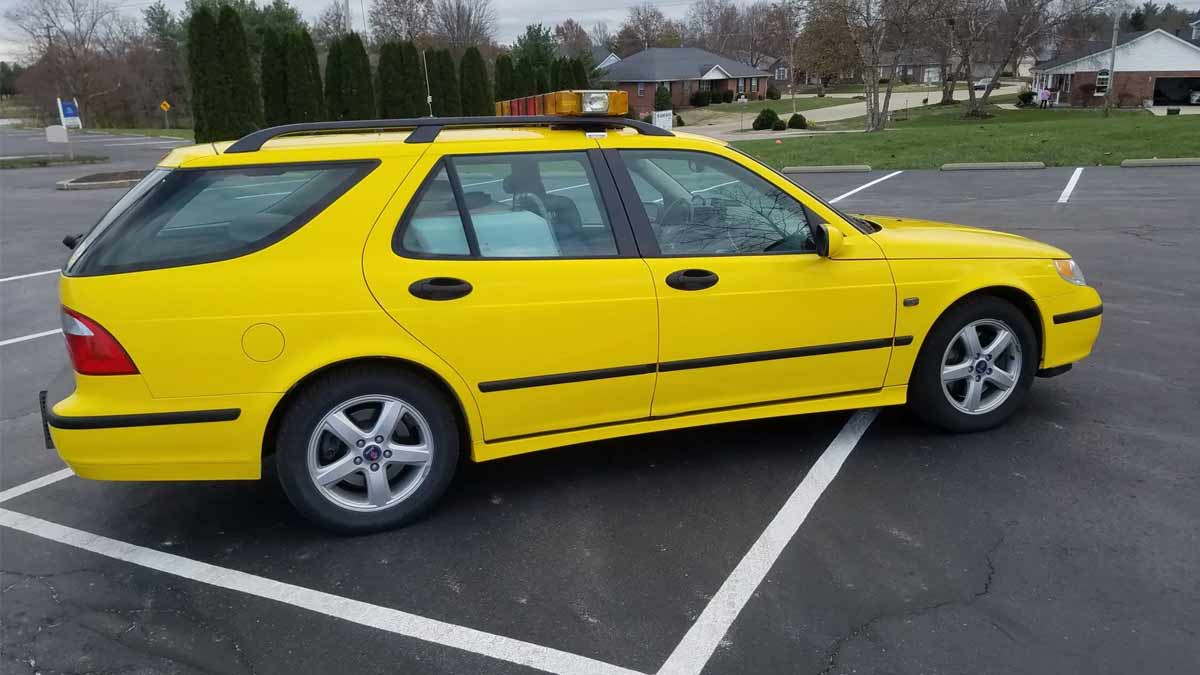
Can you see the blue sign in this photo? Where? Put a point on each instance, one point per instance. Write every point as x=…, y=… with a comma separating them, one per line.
x=69, y=109
x=68, y=112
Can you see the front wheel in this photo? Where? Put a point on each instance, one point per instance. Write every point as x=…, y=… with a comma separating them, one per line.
x=975, y=366
x=366, y=450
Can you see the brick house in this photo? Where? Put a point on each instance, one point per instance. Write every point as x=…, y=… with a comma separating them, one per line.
x=684, y=70
x=1152, y=66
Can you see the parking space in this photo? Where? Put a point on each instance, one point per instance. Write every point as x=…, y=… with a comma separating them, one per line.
x=1063, y=542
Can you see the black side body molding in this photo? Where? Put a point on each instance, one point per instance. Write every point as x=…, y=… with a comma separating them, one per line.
x=564, y=378
x=142, y=419
x=1079, y=316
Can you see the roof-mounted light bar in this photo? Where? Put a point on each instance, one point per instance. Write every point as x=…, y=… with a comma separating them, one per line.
x=569, y=102
x=426, y=129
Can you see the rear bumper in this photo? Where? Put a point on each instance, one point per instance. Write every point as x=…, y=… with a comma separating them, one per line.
x=118, y=432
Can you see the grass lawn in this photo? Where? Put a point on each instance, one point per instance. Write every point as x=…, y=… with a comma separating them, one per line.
x=936, y=135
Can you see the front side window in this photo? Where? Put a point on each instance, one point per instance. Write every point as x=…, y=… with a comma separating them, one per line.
x=701, y=204
x=1102, y=79
x=191, y=216
x=527, y=205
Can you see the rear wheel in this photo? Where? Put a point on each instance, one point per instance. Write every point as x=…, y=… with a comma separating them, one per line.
x=975, y=366
x=364, y=450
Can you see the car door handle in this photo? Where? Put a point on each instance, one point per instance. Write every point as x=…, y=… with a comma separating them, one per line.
x=439, y=288
x=692, y=280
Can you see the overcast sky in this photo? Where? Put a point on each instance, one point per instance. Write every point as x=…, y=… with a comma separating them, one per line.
x=512, y=15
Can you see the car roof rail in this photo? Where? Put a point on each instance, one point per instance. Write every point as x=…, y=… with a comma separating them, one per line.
x=426, y=129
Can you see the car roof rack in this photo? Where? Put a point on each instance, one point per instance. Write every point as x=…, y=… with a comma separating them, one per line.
x=426, y=129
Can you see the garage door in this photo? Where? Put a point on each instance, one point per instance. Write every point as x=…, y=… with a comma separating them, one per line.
x=1175, y=90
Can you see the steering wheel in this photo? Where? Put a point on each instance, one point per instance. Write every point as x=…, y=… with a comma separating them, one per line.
x=539, y=206
x=679, y=202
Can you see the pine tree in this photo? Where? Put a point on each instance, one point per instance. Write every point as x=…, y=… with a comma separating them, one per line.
x=581, y=74
x=274, y=78
x=556, y=75
x=662, y=98
x=453, y=105
x=390, y=79
x=205, y=74
x=473, y=83
x=504, y=78
x=358, y=95
x=241, y=91
x=526, y=79
x=412, y=82
x=335, y=106
x=542, y=81
x=305, y=102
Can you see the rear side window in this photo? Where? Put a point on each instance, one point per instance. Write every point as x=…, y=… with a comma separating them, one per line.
x=191, y=216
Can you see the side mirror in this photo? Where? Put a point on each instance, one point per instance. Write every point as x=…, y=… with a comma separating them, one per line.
x=827, y=239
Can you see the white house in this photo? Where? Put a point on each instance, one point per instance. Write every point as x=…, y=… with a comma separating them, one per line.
x=1151, y=66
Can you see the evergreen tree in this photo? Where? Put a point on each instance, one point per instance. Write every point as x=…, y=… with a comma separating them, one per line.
x=526, y=79
x=413, y=82
x=556, y=75
x=205, y=74
x=242, y=99
x=541, y=82
x=389, y=76
x=452, y=106
x=581, y=74
x=335, y=106
x=358, y=92
x=274, y=78
x=504, y=78
x=305, y=103
x=662, y=98
x=474, y=85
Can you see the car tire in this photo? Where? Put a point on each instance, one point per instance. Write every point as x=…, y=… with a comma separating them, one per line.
x=359, y=503
x=947, y=403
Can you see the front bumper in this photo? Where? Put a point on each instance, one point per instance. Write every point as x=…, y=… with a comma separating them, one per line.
x=110, y=428
x=1071, y=326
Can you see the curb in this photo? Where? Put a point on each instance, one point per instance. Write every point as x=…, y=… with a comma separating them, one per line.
x=970, y=166
x=832, y=168
x=1178, y=161
x=70, y=184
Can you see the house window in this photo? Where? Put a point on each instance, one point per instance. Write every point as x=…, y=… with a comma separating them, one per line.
x=641, y=88
x=741, y=84
x=705, y=85
x=1102, y=79
x=781, y=73
x=754, y=84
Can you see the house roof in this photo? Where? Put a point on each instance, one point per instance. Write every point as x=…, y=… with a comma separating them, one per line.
x=600, y=53
x=675, y=63
x=1098, y=46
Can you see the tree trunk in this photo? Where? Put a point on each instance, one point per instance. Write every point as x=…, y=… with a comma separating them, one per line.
x=949, y=76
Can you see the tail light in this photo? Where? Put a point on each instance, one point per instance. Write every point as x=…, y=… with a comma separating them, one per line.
x=93, y=350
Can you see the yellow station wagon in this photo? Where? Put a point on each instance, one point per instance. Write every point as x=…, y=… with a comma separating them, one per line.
x=367, y=303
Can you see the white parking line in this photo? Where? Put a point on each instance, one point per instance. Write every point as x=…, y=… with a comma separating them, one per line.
x=860, y=188
x=35, y=484
x=33, y=336
x=482, y=182
x=714, y=187
x=30, y=275
x=149, y=144
x=1066, y=193
x=355, y=611
x=701, y=640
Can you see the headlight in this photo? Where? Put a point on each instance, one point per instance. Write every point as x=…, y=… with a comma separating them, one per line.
x=1069, y=270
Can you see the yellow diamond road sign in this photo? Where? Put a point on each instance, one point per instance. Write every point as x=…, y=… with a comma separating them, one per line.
x=165, y=106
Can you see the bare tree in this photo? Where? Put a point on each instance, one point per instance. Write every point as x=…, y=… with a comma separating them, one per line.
x=645, y=26
x=713, y=24
x=572, y=39
x=459, y=24
x=399, y=19
x=75, y=39
x=332, y=23
x=601, y=36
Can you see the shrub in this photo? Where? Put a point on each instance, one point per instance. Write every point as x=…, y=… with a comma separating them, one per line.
x=772, y=93
x=662, y=98
x=700, y=98
x=647, y=118
x=797, y=121
x=1025, y=98
x=778, y=125
x=905, y=79
x=679, y=121
x=727, y=96
x=1086, y=91
x=765, y=120
x=884, y=80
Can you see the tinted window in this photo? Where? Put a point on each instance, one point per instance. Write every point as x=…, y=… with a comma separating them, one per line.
x=530, y=205
x=701, y=204
x=185, y=217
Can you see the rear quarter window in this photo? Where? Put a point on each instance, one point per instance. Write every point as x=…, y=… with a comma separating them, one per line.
x=193, y=216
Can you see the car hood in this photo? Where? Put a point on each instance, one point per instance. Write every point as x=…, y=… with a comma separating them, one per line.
x=912, y=238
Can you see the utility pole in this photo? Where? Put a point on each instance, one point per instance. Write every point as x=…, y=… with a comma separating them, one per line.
x=1112, y=60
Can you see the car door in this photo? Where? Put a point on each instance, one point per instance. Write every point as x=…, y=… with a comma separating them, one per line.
x=517, y=271
x=748, y=312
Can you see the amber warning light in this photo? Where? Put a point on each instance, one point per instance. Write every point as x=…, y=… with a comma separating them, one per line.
x=567, y=103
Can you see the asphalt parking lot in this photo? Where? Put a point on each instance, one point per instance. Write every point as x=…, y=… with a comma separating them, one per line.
x=1065, y=541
